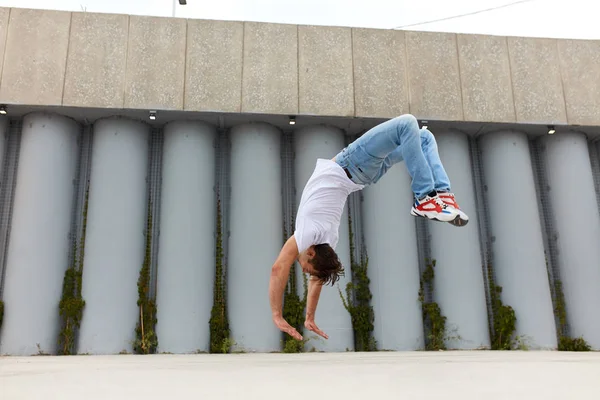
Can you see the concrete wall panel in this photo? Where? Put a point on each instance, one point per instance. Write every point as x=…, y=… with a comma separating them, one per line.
x=35, y=57
x=517, y=243
x=571, y=182
x=213, y=79
x=96, y=61
x=331, y=317
x=580, y=68
x=155, y=63
x=433, y=72
x=325, y=71
x=380, y=83
x=389, y=231
x=186, y=257
x=39, y=244
x=270, y=81
x=459, y=287
x=535, y=75
x=256, y=238
x=114, y=243
x=485, y=78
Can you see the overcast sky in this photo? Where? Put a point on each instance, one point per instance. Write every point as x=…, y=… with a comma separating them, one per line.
x=538, y=18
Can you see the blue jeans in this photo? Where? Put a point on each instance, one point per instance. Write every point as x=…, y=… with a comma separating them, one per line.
x=370, y=156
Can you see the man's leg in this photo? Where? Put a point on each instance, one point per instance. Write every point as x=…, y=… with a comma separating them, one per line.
x=430, y=150
x=399, y=138
x=401, y=134
x=440, y=177
x=441, y=182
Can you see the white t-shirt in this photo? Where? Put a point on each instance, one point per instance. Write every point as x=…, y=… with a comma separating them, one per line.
x=322, y=204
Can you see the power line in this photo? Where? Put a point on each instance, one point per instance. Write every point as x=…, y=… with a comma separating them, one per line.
x=466, y=14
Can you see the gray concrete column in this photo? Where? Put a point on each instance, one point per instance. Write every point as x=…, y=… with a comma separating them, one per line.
x=331, y=317
x=186, y=257
x=114, y=243
x=577, y=224
x=391, y=242
x=459, y=286
x=4, y=125
x=256, y=225
x=517, y=241
x=39, y=240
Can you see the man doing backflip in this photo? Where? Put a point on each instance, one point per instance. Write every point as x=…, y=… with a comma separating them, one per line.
x=360, y=164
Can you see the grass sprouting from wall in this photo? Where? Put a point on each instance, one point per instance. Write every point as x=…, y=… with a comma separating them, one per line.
x=433, y=320
x=220, y=341
x=566, y=342
x=505, y=319
x=358, y=301
x=71, y=303
x=146, y=340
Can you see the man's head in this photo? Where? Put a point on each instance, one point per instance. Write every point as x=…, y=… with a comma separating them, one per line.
x=322, y=262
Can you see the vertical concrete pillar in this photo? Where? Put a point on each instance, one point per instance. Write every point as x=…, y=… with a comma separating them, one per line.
x=256, y=224
x=3, y=139
x=517, y=241
x=39, y=240
x=312, y=143
x=391, y=242
x=459, y=285
x=577, y=224
x=186, y=258
x=114, y=243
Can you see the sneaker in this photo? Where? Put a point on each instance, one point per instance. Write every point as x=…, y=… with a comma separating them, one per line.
x=433, y=208
x=450, y=200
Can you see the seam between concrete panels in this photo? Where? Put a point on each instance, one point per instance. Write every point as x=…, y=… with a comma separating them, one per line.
x=185, y=63
x=126, y=77
x=460, y=83
x=5, y=43
x=406, y=74
x=298, y=68
x=510, y=75
x=62, y=95
x=562, y=81
x=241, y=106
x=353, y=71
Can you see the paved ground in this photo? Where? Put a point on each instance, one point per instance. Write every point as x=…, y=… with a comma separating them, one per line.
x=344, y=376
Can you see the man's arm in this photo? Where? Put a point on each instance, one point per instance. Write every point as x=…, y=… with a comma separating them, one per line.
x=312, y=299
x=279, y=278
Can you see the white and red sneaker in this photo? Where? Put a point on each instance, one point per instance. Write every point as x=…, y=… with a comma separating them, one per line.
x=432, y=207
x=449, y=199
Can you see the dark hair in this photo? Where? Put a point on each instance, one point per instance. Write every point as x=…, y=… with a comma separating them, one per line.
x=328, y=267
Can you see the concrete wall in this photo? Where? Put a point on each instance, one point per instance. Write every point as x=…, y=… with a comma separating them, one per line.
x=114, y=245
x=120, y=61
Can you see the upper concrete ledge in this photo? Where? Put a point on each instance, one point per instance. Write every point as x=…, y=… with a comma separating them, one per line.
x=120, y=61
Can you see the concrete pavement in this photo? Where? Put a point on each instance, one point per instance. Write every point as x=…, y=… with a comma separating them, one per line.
x=461, y=375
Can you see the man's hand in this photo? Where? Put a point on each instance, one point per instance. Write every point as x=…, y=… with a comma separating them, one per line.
x=311, y=326
x=287, y=328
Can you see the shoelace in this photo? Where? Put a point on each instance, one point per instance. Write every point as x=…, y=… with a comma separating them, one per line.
x=441, y=203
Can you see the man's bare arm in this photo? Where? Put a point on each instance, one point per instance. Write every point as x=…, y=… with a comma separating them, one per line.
x=312, y=300
x=314, y=291
x=278, y=281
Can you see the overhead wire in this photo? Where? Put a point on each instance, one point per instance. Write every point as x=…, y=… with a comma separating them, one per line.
x=465, y=14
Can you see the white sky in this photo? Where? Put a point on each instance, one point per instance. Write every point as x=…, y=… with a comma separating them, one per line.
x=538, y=18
